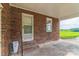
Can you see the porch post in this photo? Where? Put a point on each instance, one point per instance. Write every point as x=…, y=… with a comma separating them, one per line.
x=5, y=29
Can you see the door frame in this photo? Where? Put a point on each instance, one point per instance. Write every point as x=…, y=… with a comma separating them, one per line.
x=25, y=14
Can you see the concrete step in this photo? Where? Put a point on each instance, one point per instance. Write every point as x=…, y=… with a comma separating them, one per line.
x=29, y=45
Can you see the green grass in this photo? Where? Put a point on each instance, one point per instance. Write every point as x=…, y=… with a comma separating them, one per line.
x=68, y=34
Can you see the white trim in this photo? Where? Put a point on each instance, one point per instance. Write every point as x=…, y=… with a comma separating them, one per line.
x=24, y=14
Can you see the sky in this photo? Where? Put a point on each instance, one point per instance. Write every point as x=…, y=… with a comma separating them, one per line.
x=69, y=23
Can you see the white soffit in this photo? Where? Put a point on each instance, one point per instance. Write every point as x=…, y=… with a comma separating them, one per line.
x=43, y=8
x=68, y=10
x=59, y=10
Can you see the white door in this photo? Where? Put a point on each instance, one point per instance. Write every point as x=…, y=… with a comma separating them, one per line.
x=27, y=27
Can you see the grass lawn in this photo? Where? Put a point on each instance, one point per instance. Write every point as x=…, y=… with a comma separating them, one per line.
x=68, y=34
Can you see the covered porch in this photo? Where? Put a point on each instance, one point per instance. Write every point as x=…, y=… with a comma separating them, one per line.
x=34, y=29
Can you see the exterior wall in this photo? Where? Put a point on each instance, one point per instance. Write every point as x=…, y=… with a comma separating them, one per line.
x=16, y=28
x=40, y=29
x=12, y=27
x=5, y=29
x=40, y=34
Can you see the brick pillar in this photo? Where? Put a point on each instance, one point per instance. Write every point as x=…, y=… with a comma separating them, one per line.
x=5, y=27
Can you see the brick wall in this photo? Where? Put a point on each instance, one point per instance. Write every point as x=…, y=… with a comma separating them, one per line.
x=40, y=34
x=16, y=28
x=40, y=29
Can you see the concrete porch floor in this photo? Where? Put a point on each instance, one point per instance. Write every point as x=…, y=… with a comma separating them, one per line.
x=59, y=48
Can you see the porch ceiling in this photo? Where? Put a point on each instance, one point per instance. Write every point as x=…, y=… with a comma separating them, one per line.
x=60, y=10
